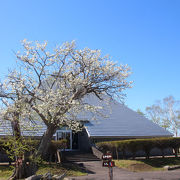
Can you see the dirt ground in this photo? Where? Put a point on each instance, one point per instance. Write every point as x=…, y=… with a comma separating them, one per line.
x=97, y=172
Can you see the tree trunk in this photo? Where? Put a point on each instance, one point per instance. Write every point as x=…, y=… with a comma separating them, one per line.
x=117, y=154
x=147, y=154
x=45, y=141
x=23, y=169
x=19, y=171
x=133, y=155
x=176, y=152
x=124, y=153
x=162, y=152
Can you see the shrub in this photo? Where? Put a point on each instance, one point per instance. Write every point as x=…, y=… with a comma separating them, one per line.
x=122, y=146
x=105, y=146
x=26, y=146
x=162, y=143
x=55, y=145
x=175, y=144
x=134, y=145
x=147, y=145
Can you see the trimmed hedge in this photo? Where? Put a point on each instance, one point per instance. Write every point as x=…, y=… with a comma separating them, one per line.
x=135, y=145
x=27, y=146
x=55, y=145
x=60, y=144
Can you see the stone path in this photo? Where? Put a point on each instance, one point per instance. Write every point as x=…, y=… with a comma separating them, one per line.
x=97, y=172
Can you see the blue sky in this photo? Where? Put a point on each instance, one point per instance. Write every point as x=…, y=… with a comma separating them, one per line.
x=145, y=34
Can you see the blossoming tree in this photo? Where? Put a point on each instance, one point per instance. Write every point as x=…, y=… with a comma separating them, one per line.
x=51, y=85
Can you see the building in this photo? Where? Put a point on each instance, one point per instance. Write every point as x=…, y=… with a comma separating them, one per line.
x=114, y=121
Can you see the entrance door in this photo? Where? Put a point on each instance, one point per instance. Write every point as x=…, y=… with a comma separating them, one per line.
x=65, y=134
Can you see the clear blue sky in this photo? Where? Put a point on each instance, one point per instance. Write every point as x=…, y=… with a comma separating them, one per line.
x=145, y=34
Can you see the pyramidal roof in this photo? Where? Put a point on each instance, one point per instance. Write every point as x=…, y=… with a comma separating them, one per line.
x=113, y=120
x=117, y=120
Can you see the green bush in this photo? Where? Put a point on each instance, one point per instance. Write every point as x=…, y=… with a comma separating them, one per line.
x=175, y=144
x=134, y=145
x=162, y=144
x=147, y=145
x=105, y=146
x=55, y=145
x=26, y=146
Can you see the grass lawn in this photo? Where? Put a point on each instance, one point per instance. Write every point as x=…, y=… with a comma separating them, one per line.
x=153, y=164
x=5, y=172
x=71, y=169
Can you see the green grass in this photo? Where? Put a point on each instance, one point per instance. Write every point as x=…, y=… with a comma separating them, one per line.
x=5, y=172
x=161, y=162
x=153, y=164
x=71, y=170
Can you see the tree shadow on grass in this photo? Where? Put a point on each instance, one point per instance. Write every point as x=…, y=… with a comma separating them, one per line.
x=77, y=167
x=161, y=162
x=71, y=169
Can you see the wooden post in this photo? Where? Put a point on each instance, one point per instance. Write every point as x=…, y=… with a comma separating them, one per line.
x=110, y=173
x=58, y=156
x=107, y=162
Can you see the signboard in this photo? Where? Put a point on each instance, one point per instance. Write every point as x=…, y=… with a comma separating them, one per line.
x=107, y=157
x=108, y=164
x=107, y=160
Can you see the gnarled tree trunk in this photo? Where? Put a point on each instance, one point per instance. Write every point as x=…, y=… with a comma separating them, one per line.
x=24, y=169
x=45, y=141
x=43, y=147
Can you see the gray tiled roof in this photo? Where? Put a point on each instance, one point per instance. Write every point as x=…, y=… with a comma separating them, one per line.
x=122, y=122
x=27, y=129
x=115, y=120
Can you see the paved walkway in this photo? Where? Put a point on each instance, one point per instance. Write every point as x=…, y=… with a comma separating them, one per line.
x=97, y=172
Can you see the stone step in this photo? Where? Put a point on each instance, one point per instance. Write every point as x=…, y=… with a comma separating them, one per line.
x=80, y=157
